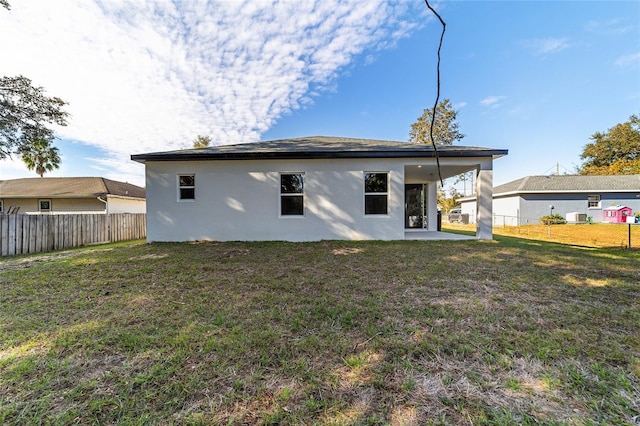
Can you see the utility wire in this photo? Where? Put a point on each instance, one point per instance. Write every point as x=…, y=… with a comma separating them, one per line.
x=435, y=105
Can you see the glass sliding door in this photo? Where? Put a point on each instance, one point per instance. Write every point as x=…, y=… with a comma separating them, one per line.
x=415, y=205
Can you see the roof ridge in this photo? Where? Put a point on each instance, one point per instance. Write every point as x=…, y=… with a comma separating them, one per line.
x=104, y=185
x=523, y=183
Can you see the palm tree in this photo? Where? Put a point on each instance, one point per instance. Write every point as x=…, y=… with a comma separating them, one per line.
x=41, y=156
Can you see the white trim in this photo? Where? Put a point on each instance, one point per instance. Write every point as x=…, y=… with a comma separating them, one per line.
x=178, y=188
x=40, y=209
x=364, y=196
x=124, y=197
x=563, y=191
x=296, y=194
x=599, y=206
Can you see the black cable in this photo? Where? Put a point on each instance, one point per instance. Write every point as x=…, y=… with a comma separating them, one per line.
x=435, y=105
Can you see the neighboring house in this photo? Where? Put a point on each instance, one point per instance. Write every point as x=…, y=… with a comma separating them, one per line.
x=70, y=195
x=525, y=200
x=307, y=189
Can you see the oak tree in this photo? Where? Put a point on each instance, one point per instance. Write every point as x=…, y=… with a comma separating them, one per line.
x=26, y=115
x=445, y=126
x=614, y=152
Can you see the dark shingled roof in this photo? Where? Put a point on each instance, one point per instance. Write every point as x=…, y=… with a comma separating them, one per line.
x=570, y=183
x=317, y=147
x=68, y=187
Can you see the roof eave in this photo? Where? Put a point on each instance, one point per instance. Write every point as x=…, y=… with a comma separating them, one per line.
x=562, y=191
x=314, y=155
x=125, y=197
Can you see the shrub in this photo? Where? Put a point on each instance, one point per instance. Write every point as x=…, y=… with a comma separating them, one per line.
x=552, y=219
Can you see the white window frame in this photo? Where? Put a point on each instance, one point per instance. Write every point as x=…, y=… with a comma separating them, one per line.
x=292, y=194
x=45, y=200
x=180, y=187
x=592, y=199
x=364, y=198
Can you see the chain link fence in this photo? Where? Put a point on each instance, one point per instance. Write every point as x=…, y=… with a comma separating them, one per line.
x=620, y=235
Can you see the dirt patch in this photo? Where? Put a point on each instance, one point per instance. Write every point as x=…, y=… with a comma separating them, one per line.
x=346, y=250
x=27, y=262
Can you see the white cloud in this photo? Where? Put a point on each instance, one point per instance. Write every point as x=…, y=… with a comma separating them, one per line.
x=611, y=26
x=492, y=101
x=629, y=59
x=145, y=76
x=544, y=46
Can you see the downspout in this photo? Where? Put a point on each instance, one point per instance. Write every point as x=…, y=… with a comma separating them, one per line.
x=106, y=205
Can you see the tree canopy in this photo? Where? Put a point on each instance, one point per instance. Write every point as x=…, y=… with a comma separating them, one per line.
x=445, y=126
x=26, y=115
x=614, y=152
x=202, y=141
x=446, y=203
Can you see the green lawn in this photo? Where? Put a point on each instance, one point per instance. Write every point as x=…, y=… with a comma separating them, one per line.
x=472, y=332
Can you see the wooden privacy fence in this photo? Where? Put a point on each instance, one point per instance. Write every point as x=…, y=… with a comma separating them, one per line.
x=22, y=234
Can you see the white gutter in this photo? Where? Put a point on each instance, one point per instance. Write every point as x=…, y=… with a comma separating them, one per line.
x=106, y=205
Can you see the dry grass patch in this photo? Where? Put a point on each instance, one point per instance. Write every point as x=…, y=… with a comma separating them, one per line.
x=504, y=332
x=600, y=235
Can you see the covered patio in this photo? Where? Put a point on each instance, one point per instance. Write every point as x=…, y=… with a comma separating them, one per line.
x=421, y=186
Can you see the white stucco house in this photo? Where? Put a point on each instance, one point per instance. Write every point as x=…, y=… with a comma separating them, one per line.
x=66, y=195
x=307, y=189
x=574, y=197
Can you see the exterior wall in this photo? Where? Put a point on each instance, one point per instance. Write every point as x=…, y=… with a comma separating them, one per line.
x=240, y=200
x=125, y=205
x=536, y=205
x=58, y=205
x=26, y=204
x=507, y=212
x=469, y=207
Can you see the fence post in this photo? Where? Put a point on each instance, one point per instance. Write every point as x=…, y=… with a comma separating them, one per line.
x=19, y=233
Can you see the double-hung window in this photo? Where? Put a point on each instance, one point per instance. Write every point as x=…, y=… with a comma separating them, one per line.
x=186, y=187
x=376, y=193
x=292, y=194
x=593, y=201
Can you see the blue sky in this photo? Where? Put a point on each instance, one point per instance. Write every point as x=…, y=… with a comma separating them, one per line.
x=537, y=78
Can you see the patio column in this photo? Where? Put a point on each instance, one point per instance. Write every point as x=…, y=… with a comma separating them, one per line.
x=432, y=206
x=484, y=201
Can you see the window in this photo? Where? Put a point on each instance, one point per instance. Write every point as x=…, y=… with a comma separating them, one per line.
x=376, y=193
x=186, y=187
x=292, y=194
x=593, y=201
x=0, y=206
x=44, y=205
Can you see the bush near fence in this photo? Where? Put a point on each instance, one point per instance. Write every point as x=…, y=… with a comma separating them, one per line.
x=22, y=234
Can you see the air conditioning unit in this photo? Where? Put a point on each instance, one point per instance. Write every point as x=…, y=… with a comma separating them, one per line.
x=576, y=217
